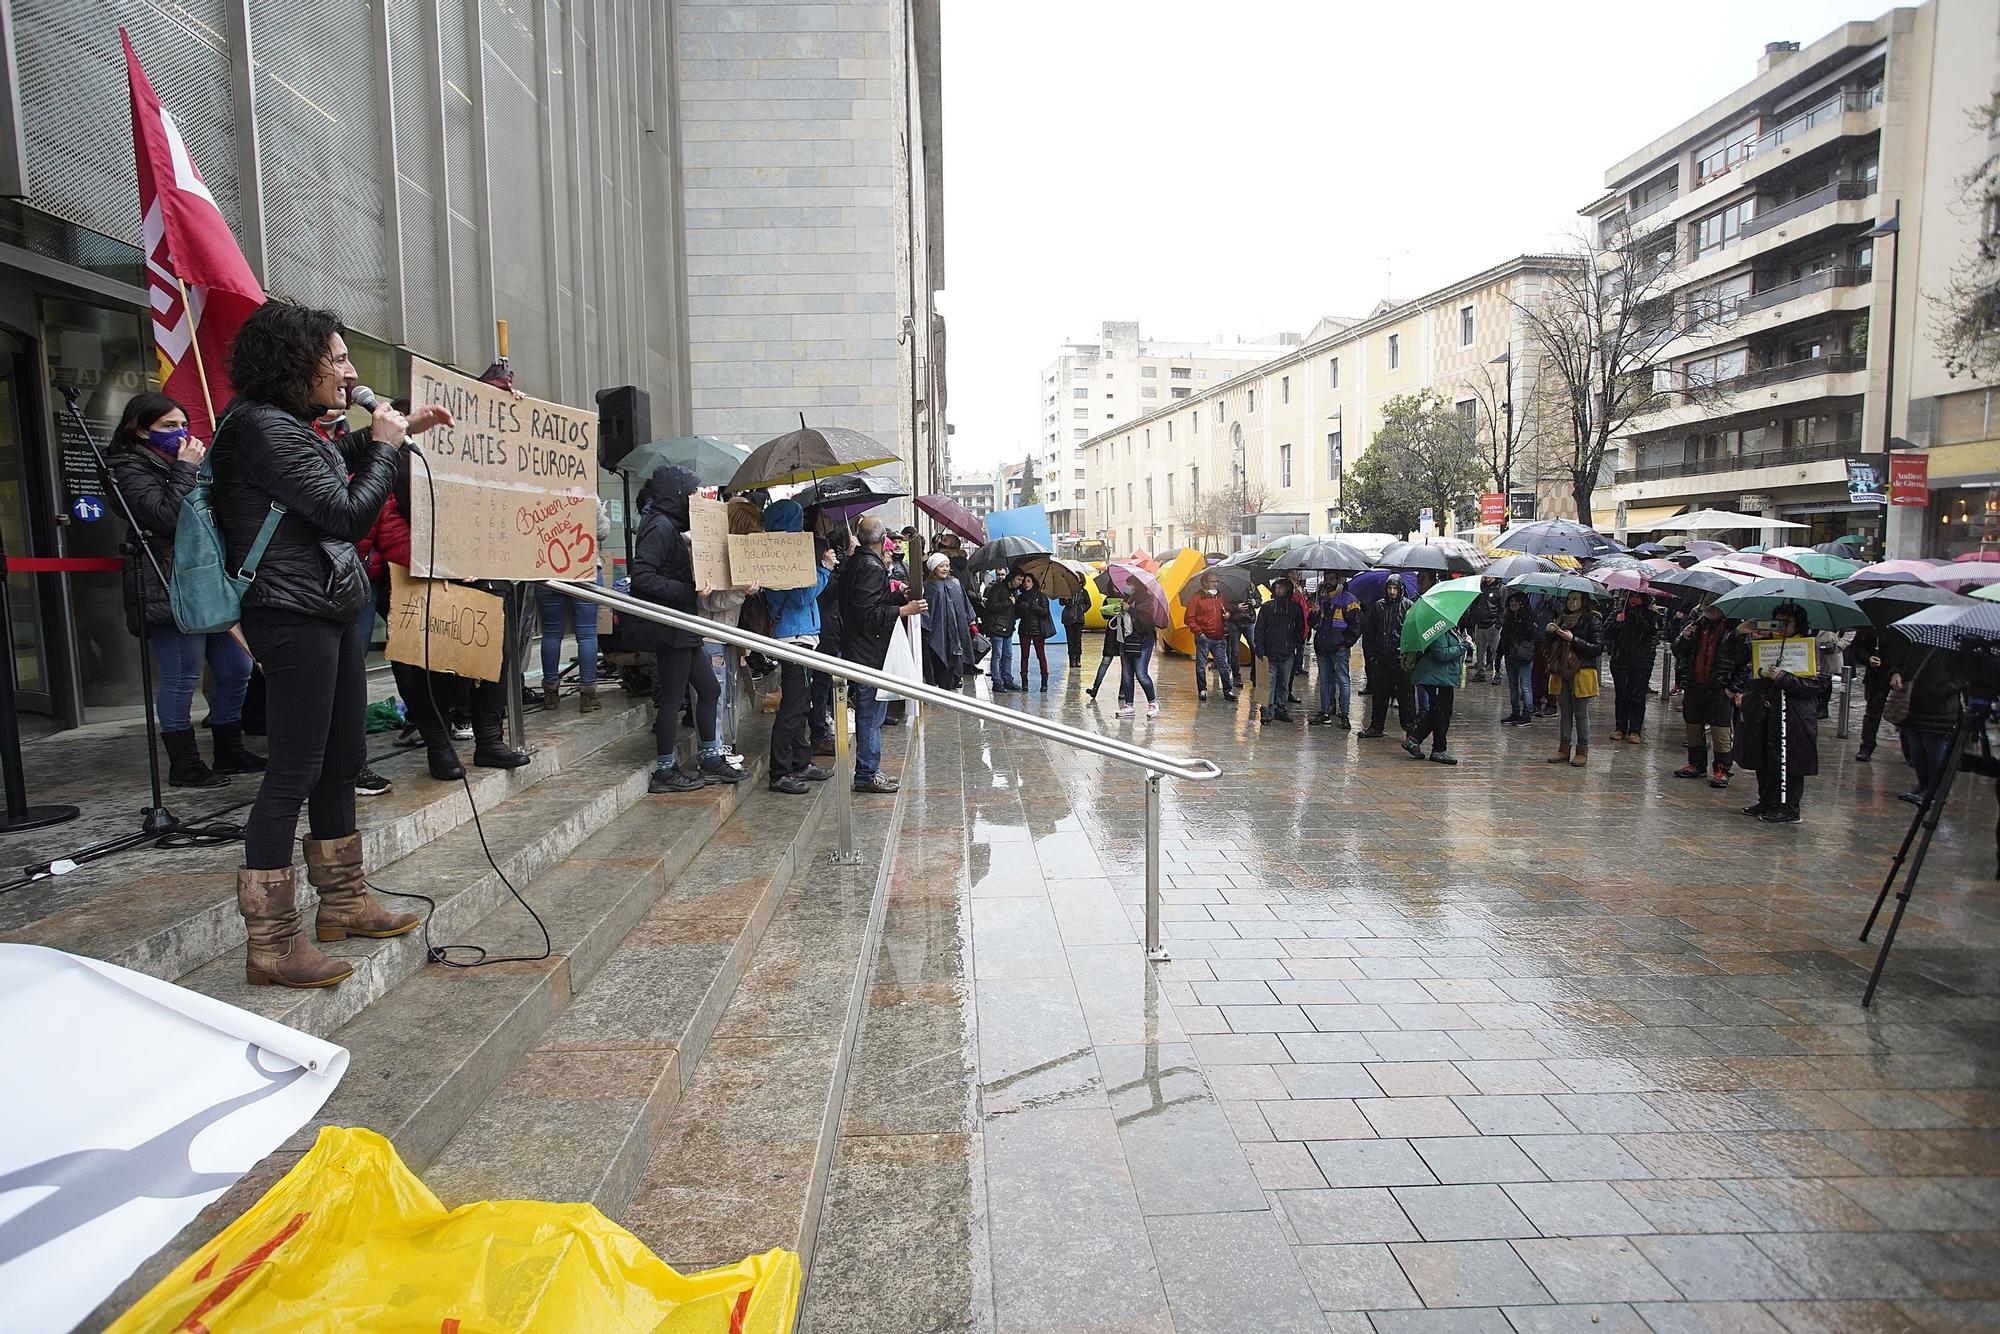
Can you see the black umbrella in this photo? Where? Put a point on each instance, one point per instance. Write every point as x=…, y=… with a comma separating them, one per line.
x=1003, y=551
x=1238, y=576
x=1892, y=602
x=1506, y=567
x=1326, y=553
x=1694, y=583
x=1555, y=537
x=808, y=454
x=1435, y=559
x=849, y=494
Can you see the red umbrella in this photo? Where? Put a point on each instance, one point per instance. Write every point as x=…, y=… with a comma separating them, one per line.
x=955, y=517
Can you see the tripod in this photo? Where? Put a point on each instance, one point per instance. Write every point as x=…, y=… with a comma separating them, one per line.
x=1972, y=719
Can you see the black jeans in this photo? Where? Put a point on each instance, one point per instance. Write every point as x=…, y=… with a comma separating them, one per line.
x=1389, y=681
x=1875, y=693
x=1628, y=683
x=1073, y=637
x=679, y=670
x=316, y=684
x=1437, y=720
x=791, y=748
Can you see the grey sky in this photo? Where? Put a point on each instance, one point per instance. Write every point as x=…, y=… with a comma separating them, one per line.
x=1242, y=167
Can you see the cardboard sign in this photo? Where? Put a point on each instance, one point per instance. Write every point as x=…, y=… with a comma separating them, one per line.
x=708, y=537
x=772, y=560
x=444, y=626
x=1800, y=657
x=515, y=483
x=1909, y=479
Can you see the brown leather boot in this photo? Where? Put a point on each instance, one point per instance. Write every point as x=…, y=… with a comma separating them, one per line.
x=586, y=700
x=280, y=954
x=1561, y=756
x=551, y=698
x=345, y=906
x=1582, y=757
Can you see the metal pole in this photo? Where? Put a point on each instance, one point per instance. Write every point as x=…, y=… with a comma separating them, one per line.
x=511, y=660
x=1155, y=951
x=1846, y=693
x=843, y=782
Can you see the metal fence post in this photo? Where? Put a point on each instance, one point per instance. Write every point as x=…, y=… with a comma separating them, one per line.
x=1155, y=951
x=843, y=781
x=1846, y=693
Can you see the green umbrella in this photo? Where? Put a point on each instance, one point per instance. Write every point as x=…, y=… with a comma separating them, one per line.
x=1821, y=566
x=1825, y=607
x=1990, y=593
x=1437, y=611
x=712, y=461
x=1558, y=585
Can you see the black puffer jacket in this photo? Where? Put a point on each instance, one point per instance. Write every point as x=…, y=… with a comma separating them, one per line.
x=996, y=609
x=1033, y=619
x=154, y=486
x=663, y=563
x=332, y=494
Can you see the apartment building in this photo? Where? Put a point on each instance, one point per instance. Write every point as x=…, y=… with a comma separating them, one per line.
x=1766, y=212
x=1281, y=436
x=977, y=497
x=1093, y=387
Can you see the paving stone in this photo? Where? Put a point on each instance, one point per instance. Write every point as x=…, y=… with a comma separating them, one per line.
x=1577, y=1209
x=1260, y=1286
x=1366, y=1214
x=1462, y=1213
x=1474, y=1159
x=1717, y=1268
x=1594, y=1269
x=1371, y=1162
x=1468, y=1273
x=1357, y=1278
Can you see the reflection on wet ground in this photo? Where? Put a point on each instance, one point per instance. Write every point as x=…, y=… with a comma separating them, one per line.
x=1501, y=1046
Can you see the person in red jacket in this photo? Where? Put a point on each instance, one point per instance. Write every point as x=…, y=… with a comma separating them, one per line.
x=1208, y=618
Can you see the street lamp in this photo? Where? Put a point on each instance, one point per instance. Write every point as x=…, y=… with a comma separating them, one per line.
x=1507, y=445
x=1892, y=231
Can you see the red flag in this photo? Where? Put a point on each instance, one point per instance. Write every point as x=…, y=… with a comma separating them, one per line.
x=188, y=248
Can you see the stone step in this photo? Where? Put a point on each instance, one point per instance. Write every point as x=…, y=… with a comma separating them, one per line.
x=743, y=1158
x=167, y=914
x=578, y=1115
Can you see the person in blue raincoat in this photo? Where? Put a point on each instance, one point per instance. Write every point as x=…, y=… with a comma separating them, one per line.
x=1440, y=670
x=794, y=619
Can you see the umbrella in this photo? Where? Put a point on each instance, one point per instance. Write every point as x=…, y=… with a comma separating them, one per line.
x=1651, y=549
x=1705, y=548
x=1990, y=593
x=1617, y=560
x=1323, y=553
x=712, y=461
x=1887, y=572
x=1003, y=551
x=1756, y=549
x=808, y=454
x=1059, y=578
x=1437, y=611
x=1976, y=555
x=1390, y=554
x=1892, y=601
x=1555, y=537
x=1238, y=575
x=1944, y=627
x=1963, y=576
x=1626, y=581
x=1368, y=585
x=1817, y=564
x=1433, y=558
x=1506, y=567
x=1131, y=582
x=1695, y=583
x=1750, y=567
x=953, y=516
x=1559, y=585
x=1371, y=544
x=1278, y=546
x=1713, y=521
x=1825, y=608
x=849, y=494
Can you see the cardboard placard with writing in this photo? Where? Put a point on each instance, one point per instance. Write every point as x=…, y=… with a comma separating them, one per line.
x=708, y=538
x=444, y=626
x=515, y=482
x=772, y=560
x=1800, y=657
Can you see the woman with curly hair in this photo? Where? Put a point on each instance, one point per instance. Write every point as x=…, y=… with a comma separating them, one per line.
x=301, y=616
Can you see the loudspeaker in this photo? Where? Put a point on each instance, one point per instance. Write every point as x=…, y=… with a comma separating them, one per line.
x=624, y=422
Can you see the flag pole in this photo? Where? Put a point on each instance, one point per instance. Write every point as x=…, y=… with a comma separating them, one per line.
x=194, y=342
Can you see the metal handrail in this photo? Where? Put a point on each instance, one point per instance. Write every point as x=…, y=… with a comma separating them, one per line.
x=1152, y=762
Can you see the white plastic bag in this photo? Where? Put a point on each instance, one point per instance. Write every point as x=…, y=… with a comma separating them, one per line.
x=904, y=660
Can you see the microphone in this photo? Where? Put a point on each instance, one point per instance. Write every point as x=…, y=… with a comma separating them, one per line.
x=361, y=396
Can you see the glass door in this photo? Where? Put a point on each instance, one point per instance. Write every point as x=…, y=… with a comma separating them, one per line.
x=26, y=638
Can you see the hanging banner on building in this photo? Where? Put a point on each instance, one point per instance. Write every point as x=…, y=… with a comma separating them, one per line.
x=1909, y=479
x=1492, y=510
x=515, y=483
x=1868, y=481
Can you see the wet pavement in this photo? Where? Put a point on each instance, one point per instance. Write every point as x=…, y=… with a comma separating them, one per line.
x=1501, y=1046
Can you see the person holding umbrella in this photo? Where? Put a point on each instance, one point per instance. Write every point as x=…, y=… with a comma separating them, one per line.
x=1433, y=651
x=1336, y=624
x=1242, y=630
x=1517, y=651
x=1034, y=624
x=1382, y=648
x=1135, y=655
x=996, y=618
x=1780, y=732
x=1208, y=618
x=1280, y=634
x=1576, y=640
x=1633, y=632
x=1714, y=665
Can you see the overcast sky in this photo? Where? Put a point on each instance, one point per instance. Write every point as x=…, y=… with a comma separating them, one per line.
x=1244, y=166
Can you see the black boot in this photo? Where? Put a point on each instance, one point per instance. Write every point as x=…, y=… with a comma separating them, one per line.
x=184, y=766
x=230, y=756
x=1697, y=765
x=492, y=750
x=443, y=757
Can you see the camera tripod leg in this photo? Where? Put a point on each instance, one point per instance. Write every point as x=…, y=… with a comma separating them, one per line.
x=1928, y=816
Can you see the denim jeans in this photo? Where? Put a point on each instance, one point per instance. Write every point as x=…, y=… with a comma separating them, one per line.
x=1212, y=649
x=1281, y=681
x=1333, y=681
x=1521, y=687
x=178, y=659
x=1929, y=751
x=555, y=607
x=1137, y=668
x=1003, y=660
x=868, y=712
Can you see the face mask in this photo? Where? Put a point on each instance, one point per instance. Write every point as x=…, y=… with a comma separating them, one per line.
x=168, y=442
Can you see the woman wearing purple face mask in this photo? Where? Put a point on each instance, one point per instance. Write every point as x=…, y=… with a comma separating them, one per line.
x=153, y=460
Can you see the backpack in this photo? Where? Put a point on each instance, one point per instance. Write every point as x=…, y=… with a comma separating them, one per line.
x=206, y=598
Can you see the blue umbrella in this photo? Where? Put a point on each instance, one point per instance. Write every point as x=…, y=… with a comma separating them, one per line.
x=1367, y=586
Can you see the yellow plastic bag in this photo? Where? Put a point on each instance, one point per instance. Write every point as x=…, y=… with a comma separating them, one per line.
x=350, y=1239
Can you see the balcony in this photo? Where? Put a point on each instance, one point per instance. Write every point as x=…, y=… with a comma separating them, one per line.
x=1805, y=204
x=1815, y=117
x=1838, y=363
x=1824, y=280
x=1767, y=458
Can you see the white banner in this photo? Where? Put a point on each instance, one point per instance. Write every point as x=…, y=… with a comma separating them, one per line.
x=132, y=1103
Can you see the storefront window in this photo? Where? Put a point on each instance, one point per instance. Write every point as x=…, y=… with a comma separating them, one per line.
x=1964, y=520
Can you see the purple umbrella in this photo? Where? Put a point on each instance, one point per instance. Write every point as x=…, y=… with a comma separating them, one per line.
x=955, y=517
x=1125, y=578
x=1367, y=586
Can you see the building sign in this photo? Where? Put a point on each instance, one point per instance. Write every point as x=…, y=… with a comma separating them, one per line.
x=1868, y=481
x=1909, y=479
x=1492, y=509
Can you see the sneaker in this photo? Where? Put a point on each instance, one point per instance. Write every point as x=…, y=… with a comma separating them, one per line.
x=1090, y=691
x=1443, y=757
x=815, y=773
x=1914, y=798
x=1756, y=810
x=1345, y=726
x=1124, y=711
x=674, y=779
x=1153, y=709
x=409, y=737
x=1319, y=719
x=716, y=769
x=461, y=732
x=1412, y=749
x=1229, y=695
x=368, y=783
x=1634, y=738
x=1617, y=736
x=790, y=784
x=879, y=783
x=1719, y=778
x=1201, y=696
x=1780, y=816
x=1368, y=733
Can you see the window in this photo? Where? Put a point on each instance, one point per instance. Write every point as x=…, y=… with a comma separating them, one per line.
x=1081, y=414
x=1197, y=421
x=1149, y=437
x=1081, y=391
x=1395, y=351
x=1079, y=474
x=1180, y=373
x=1149, y=495
x=1110, y=500
x=1170, y=490
x=1128, y=446
x=1149, y=372
x=1082, y=434
x=1253, y=400
x=1170, y=432
x=1284, y=389
x=1284, y=465
x=1468, y=417
x=1202, y=376
x=1149, y=392
x=1465, y=326
x=1333, y=455
x=1128, y=496
x=1181, y=391
x=1719, y=301
x=1715, y=369
x=1194, y=484
x=1721, y=228
x=1717, y=156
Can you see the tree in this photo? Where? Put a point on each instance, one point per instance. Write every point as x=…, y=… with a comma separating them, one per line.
x=1505, y=437
x=1031, y=485
x=1602, y=327
x=1421, y=455
x=1967, y=312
